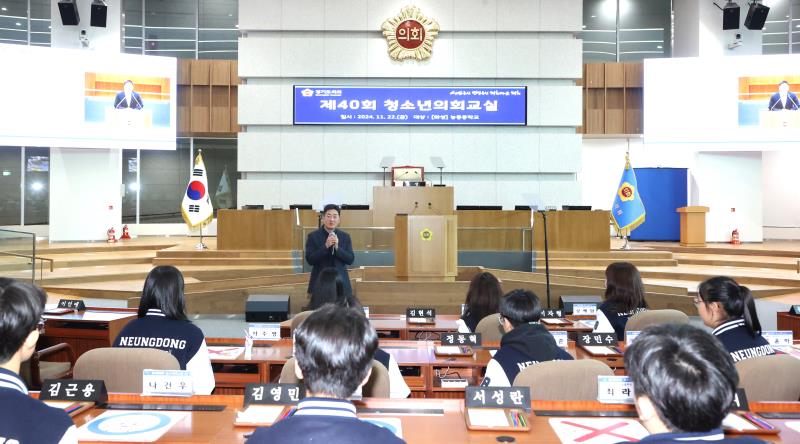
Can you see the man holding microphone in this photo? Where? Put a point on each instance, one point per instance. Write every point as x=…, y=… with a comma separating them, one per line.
x=329, y=247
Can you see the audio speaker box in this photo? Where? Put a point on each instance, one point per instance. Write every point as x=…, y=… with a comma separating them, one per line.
x=69, y=12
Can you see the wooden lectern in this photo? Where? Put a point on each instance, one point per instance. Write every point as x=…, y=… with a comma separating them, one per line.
x=693, y=226
x=425, y=247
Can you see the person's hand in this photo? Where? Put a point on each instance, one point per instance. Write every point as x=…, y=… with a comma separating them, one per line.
x=331, y=240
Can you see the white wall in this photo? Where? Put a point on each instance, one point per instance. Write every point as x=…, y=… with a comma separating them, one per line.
x=781, y=184
x=85, y=193
x=719, y=180
x=481, y=42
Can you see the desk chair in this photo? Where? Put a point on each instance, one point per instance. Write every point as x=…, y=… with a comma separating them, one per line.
x=490, y=329
x=644, y=319
x=377, y=385
x=36, y=369
x=770, y=378
x=121, y=368
x=563, y=380
x=300, y=317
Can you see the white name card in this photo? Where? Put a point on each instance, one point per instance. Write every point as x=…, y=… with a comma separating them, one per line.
x=614, y=390
x=630, y=336
x=561, y=338
x=270, y=331
x=584, y=309
x=779, y=339
x=167, y=383
x=366, y=312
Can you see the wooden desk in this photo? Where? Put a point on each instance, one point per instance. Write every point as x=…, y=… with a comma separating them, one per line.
x=389, y=201
x=788, y=321
x=217, y=427
x=573, y=231
x=390, y=326
x=261, y=229
x=85, y=330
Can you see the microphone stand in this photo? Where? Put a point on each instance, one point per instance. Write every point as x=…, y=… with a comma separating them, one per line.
x=546, y=256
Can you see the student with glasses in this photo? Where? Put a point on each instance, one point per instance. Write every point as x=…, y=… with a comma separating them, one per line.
x=526, y=342
x=22, y=418
x=729, y=308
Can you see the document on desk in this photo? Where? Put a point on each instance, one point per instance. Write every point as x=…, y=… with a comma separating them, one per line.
x=488, y=417
x=597, y=430
x=600, y=350
x=215, y=352
x=259, y=415
x=393, y=425
x=129, y=426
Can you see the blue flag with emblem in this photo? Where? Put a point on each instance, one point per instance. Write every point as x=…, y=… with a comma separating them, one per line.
x=628, y=211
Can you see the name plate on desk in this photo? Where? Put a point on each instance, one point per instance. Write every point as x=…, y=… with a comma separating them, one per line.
x=420, y=313
x=270, y=331
x=366, y=312
x=561, y=338
x=79, y=390
x=615, y=389
x=631, y=336
x=780, y=339
x=73, y=304
x=795, y=310
x=461, y=339
x=273, y=394
x=584, y=309
x=167, y=383
x=498, y=397
x=550, y=313
x=590, y=339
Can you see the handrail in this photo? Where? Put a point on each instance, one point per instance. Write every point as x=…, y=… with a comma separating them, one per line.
x=34, y=259
x=33, y=250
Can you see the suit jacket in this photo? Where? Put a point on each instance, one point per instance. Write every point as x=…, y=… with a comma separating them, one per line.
x=136, y=101
x=791, y=102
x=320, y=257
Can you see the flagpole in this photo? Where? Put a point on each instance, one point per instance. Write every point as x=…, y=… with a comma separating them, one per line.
x=200, y=246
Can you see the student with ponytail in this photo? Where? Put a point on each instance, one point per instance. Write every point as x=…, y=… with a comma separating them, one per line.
x=729, y=308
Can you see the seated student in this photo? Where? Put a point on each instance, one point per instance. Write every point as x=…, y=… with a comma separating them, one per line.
x=730, y=310
x=483, y=297
x=163, y=324
x=22, y=417
x=333, y=350
x=683, y=383
x=624, y=297
x=329, y=290
x=525, y=343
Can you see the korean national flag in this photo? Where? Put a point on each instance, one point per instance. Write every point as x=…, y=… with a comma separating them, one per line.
x=196, y=207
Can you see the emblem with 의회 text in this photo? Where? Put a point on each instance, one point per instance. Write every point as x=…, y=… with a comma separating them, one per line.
x=410, y=34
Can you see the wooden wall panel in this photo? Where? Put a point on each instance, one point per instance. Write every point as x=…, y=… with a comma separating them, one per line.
x=207, y=98
x=612, y=98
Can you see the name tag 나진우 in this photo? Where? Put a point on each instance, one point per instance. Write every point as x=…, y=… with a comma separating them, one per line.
x=167, y=383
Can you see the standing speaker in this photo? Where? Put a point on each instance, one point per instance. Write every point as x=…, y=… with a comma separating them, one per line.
x=730, y=17
x=69, y=12
x=756, y=16
x=99, y=12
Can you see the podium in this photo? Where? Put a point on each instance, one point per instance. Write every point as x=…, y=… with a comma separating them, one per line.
x=693, y=226
x=425, y=247
x=779, y=119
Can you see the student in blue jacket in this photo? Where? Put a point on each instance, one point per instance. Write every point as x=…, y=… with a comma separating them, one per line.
x=684, y=385
x=624, y=297
x=24, y=419
x=334, y=349
x=163, y=324
x=729, y=308
x=525, y=343
x=483, y=298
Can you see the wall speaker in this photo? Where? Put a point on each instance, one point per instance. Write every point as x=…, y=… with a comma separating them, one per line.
x=69, y=12
x=99, y=13
x=730, y=16
x=756, y=16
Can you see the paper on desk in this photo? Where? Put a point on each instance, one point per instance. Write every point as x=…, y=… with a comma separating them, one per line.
x=599, y=350
x=259, y=414
x=736, y=422
x=215, y=352
x=393, y=425
x=555, y=321
x=794, y=425
x=597, y=430
x=488, y=417
x=129, y=426
x=448, y=349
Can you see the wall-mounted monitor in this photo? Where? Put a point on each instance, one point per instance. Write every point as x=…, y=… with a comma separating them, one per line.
x=82, y=99
x=351, y=105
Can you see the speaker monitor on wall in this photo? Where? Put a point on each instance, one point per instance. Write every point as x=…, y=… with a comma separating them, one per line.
x=99, y=13
x=69, y=12
x=730, y=16
x=756, y=16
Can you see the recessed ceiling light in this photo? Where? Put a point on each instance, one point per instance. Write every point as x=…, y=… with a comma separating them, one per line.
x=659, y=47
x=594, y=16
x=18, y=24
x=4, y=8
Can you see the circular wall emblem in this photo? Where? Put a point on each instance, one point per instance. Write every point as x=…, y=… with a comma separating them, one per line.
x=410, y=34
x=426, y=234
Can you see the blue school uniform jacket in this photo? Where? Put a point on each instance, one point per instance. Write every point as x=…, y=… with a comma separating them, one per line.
x=29, y=421
x=740, y=343
x=714, y=436
x=618, y=319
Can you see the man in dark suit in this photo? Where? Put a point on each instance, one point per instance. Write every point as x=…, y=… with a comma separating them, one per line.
x=329, y=247
x=784, y=99
x=128, y=98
